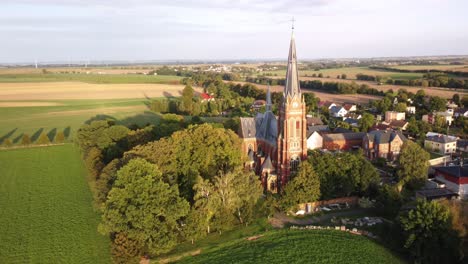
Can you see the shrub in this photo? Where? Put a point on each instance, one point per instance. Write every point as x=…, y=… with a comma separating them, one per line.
x=60, y=137
x=7, y=143
x=43, y=139
x=25, y=140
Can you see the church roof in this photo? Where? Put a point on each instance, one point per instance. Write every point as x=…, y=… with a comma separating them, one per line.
x=292, y=87
x=247, y=127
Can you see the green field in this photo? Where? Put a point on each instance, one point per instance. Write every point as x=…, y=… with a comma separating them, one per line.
x=69, y=115
x=351, y=73
x=298, y=246
x=89, y=78
x=46, y=208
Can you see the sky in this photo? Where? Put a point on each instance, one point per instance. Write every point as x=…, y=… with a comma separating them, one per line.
x=135, y=30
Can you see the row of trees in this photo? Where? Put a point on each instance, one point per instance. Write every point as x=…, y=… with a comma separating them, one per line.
x=330, y=87
x=43, y=139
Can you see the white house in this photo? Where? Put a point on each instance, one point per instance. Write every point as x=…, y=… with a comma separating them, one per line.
x=392, y=115
x=411, y=109
x=314, y=139
x=441, y=143
x=338, y=111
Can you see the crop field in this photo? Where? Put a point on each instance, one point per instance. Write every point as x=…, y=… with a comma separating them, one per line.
x=89, y=78
x=46, y=208
x=67, y=116
x=350, y=73
x=49, y=107
x=337, y=98
x=462, y=68
x=298, y=246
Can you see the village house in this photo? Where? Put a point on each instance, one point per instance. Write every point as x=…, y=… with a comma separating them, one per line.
x=206, y=97
x=411, y=110
x=442, y=144
x=392, y=115
x=432, y=117
x=313, y=121
x=257, y=105
x=350, y=107
x=314, y=138
x=342, y=141
x=326, y=104
x=461, y=112
x=455, y=178
x=383, y=144
x=338, y=111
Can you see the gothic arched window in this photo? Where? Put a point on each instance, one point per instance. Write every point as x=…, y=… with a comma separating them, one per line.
x=294, y=164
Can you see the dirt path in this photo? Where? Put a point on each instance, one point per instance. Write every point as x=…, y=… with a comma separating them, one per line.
x=279, y=220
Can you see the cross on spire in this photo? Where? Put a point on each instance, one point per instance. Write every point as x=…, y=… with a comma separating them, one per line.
x=292, y=22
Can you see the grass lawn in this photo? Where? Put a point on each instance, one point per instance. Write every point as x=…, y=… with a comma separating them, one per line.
x=46, y=212
x=297, y=246
x=69, y=115
x=89, y=78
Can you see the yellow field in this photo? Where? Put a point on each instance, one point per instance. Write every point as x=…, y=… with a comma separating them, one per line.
x=80, y=90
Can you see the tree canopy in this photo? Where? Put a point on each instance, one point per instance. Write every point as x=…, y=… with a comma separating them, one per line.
x=144, y=208
x=413, y=165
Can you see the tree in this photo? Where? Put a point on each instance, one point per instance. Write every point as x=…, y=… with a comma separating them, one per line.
x=320, y=75
x=25, y=140
x=43, y=139
x=7, y=143
x=464, y=101
x=187, y=98
x=304, y=187
x=400, y=107
x=125, y=250
x=366, y=122
x=428, y=235
x=343, y=76
x=437, y=104
x=413, y=165
x=144, y=207
x=456, y=98
x=60, y=137
x=206, y=202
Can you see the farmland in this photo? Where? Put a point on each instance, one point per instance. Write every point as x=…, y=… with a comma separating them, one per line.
x=52, y=106
x=350, y=73
x=461, y=68
x=47, y=216
x=297, y=246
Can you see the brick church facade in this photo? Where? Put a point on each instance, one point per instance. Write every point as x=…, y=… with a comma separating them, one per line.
x=275, y=145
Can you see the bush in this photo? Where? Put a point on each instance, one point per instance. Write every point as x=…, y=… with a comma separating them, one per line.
x=26, y=139
x=60, y=137
x=43, y=139
x=7, y=143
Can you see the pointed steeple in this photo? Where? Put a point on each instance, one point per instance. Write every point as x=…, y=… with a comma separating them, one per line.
x=292, y=76
x=268, y=100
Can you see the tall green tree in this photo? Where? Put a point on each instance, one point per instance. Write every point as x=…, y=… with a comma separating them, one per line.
x=187, y=98
x=400, y=107
x=60, y=137
x=304, y=187
x=413, y=165
x=437, y=104
x=144, y=207
x=429, y=237
x=366, y=122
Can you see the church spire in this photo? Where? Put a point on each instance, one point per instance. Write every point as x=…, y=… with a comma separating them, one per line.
x=268, y=99
x=292, y=87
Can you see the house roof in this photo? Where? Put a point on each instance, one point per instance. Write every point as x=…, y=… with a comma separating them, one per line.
x=342, y=130
x=351, y=121
x=384, y=136
x=441, y=139
x=336, y=109
x=247, y=127
x=312, y=129
x=205, y=96
x=348, y=106
x=343, y=136
x=398, y=123
x=455, y=171
x=312, y=121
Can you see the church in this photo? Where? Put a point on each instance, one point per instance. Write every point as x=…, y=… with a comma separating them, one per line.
x=275, y=145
